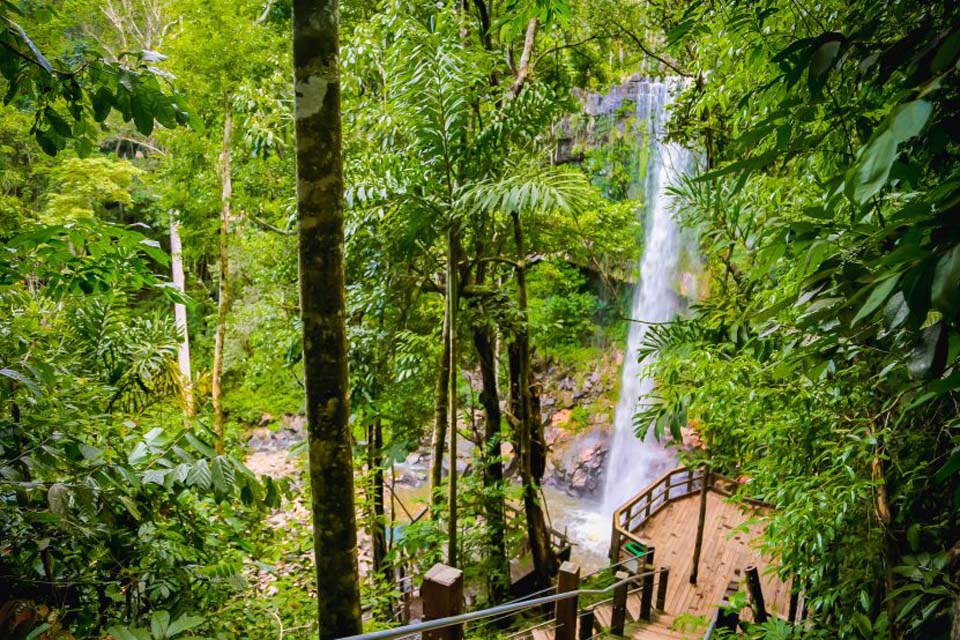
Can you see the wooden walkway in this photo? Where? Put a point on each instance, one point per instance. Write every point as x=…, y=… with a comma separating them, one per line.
x=671, y=528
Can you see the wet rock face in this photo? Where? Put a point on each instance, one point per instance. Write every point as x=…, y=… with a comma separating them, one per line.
x=578, y=468
x=292, y=430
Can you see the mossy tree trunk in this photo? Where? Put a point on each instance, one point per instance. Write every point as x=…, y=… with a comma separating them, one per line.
x=526, y=406
x=440, y=417
x=498, y=579
x=320, y=231
x=452, y=303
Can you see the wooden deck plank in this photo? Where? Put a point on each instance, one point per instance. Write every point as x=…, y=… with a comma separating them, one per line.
x=726, y=553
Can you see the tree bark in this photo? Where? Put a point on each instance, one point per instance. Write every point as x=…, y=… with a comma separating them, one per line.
x=498, y=579
x=323, y=308
x=452, y=282
x=440, y=416
x=219, y=333
x=377, y=514
x=523, y=70
x=527, y=413
x=180, y=315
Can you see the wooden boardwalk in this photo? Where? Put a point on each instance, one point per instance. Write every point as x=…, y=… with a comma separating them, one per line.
x=729, y=528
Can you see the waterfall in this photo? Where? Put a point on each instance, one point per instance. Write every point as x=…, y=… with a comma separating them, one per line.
x=633, y=463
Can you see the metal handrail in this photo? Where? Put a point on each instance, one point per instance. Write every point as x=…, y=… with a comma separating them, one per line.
x=440, y=623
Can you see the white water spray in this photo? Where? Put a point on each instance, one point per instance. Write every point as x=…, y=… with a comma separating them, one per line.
x=632, y=463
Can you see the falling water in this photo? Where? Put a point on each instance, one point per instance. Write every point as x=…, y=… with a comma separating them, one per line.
x=633, y=463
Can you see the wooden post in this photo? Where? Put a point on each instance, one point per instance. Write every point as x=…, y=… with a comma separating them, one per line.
x=614, y=542
x=756, y=593
x=586, y=624
x=565, y=611
x=701, y=521
x=619, y=616
x=646, y=595
x=651, y=551
x=662, y=588
x=727, y=618
x=794, y=601
x=442, y=594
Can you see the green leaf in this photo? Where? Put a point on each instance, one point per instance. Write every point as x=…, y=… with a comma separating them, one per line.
x=183, y=623
x=159, y=622
x=929, y=355
x=127, y=633
x=907, y=120
x=951, y=467
x=140, y=104
x=199, y=475
x=821, y=62
x=945, y=292
x=57, y=123
x=870, y=173
x=46, y=142
x=877, y=297
x=200, y=445
x=37, y=631
x=872, y=169
x=16, y=376
x=102, y=103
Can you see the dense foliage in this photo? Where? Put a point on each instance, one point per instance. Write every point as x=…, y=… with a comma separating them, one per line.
x=820, y=365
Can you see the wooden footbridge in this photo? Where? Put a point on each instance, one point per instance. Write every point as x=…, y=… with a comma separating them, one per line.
x=679, y=551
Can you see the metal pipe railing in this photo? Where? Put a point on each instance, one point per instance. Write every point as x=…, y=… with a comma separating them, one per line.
x=440, y=623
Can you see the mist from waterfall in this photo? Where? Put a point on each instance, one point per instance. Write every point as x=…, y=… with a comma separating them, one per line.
x=633, y=463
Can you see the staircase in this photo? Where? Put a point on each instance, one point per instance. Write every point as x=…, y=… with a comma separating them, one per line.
x=657, y=628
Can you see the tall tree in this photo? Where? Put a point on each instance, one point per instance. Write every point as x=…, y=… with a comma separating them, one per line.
x=180, y=314
x=220, y=330
x=322, y=304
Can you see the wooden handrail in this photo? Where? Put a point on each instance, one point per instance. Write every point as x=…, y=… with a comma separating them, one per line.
x=633, y=513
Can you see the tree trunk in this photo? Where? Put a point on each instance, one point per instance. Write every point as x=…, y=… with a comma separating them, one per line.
x=225, y=199
x=377, y=514
x=530, y=445
x=498, y=579
x=323, y=308
x=452, y=282
x=180, y=315
x=523, y=71
x=440, y=416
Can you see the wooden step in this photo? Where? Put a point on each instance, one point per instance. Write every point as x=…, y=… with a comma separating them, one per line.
x=603, y=615
x=633, y=606
x=542, y=633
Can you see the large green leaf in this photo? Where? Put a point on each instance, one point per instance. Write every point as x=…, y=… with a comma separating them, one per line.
x=945, y=292
x=877, y=297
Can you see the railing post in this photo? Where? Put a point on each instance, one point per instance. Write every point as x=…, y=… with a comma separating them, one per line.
x=794, y=602
x=586, y=624
x=701, y=522
x=662, y=588
x=614, y=542
x=565, y=611
x=651, y=551
x=619, y=616
x=756, y=593
x=646, y=596
x=442, y=594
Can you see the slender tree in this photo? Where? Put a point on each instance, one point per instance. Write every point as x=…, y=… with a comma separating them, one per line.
x=180, y=314
x=322, y=302
x=226, y=199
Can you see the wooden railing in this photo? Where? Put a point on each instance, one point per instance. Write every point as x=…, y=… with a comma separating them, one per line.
x=632, y=514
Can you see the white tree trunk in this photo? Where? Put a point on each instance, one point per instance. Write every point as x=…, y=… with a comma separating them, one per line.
x=180, y=314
